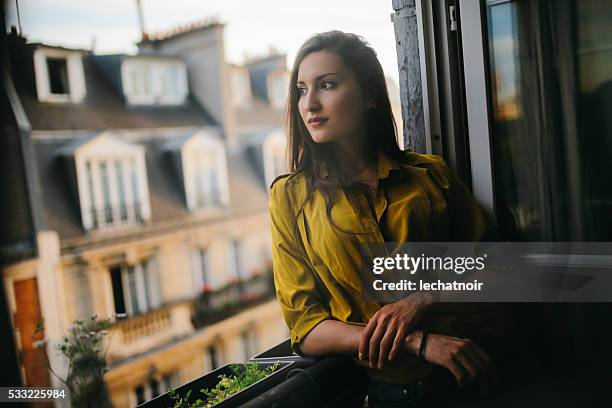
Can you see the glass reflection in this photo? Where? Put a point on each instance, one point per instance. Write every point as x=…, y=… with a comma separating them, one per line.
x=550, y=72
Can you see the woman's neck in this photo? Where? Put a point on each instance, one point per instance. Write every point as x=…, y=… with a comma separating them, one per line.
x=354, y=159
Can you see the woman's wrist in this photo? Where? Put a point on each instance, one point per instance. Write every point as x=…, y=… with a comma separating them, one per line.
x=413, y=342
x=423, y=300
x=427, y=299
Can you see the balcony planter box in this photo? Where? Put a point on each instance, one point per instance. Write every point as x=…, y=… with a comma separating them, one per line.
x=211, y=379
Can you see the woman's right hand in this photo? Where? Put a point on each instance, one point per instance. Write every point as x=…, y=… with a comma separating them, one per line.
x=462, y=357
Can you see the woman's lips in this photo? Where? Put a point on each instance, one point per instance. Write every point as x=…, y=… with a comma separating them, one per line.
x=317, y=122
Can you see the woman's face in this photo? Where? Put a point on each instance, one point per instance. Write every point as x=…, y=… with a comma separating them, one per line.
x=331, y=102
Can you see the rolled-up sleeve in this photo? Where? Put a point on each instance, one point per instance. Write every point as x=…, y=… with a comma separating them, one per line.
x=297, y=289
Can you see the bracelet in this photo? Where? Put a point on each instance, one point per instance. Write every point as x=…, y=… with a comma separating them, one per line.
x=423, y=345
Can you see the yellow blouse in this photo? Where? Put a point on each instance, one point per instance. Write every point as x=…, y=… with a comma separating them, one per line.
x=316, y=265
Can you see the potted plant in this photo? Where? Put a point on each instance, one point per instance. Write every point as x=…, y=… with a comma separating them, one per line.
x=228, y=386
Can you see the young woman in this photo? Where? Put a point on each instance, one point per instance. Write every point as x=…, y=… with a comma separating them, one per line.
x=351, y=184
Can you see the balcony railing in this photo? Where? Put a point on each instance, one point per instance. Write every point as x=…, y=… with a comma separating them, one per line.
x=215, y=305
x=116, y=215
x=146, y=325
x=137, y=334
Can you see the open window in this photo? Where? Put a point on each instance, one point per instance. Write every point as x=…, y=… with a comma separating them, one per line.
x=136, y=288
x=59, y=75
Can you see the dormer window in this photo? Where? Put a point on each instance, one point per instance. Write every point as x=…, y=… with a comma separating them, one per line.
x=116, y=178
x=240, y=86
x=275, y=156
x=111, y=181
x=203, y=169
x=278, y=86
x=206, y=175
x=59, y=75
x=154, y=81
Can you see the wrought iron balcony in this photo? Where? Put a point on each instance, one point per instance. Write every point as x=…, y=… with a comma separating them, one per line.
x=215, y=305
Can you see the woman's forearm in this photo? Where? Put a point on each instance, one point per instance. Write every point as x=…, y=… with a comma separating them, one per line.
x=332, y=337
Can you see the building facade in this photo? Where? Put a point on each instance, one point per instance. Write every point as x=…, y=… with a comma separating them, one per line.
x=151, y=172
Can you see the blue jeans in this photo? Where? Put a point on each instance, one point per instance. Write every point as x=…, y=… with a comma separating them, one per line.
x=384, y=395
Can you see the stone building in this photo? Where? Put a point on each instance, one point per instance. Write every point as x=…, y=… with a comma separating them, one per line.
x=144, y=195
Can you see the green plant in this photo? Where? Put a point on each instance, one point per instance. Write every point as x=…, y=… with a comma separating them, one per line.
x=243, y=375
x=82, y=346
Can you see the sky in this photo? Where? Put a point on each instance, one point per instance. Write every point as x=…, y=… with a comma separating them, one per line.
x=252, y=28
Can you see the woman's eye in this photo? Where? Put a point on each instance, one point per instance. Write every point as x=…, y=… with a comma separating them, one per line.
x=301, y=91
x=328, y=84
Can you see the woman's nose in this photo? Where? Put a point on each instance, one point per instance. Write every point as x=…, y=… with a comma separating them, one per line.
x=312, y=101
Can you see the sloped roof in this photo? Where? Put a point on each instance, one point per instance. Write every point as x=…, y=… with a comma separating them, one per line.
x=104, y=108
x=61, y=205
x=176, y=143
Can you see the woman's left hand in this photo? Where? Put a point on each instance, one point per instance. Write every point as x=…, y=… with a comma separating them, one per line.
x=384, y=335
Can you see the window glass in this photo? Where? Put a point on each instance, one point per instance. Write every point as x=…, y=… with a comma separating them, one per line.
x=133, y=290
x=58, y=76
x=206, y=179
x=550, y=71
x=594, y=54
x=139, y=78
x=279, y=85
x=204, y=268
x=121, y=190
x=104, y=177
x=92, y=200
x=135, y=189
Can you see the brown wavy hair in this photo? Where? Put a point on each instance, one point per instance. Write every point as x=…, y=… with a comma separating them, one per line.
x=318, y=161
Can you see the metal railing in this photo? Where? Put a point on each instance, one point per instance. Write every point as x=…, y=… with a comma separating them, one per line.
x=215, y=305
